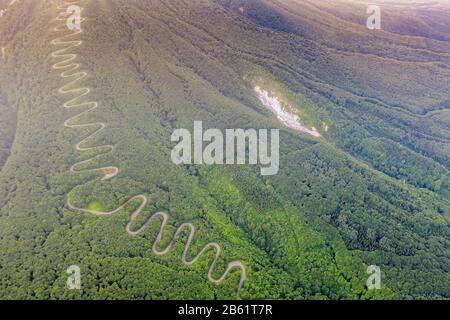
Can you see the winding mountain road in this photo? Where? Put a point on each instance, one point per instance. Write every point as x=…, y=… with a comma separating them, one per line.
x=71, y=70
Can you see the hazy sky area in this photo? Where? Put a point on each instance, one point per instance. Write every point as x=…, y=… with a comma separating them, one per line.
x=427, y=3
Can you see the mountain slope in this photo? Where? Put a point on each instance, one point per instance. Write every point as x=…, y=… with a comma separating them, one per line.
x=371, y=190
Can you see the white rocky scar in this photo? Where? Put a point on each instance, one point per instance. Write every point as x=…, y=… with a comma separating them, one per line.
x=285, y=117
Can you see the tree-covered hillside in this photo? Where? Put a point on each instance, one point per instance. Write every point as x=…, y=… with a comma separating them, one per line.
x=373, y=189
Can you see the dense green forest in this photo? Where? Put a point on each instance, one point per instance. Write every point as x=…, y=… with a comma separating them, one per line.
x=372, y=190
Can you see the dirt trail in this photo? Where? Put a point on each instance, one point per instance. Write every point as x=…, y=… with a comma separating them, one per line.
x=71, y=70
